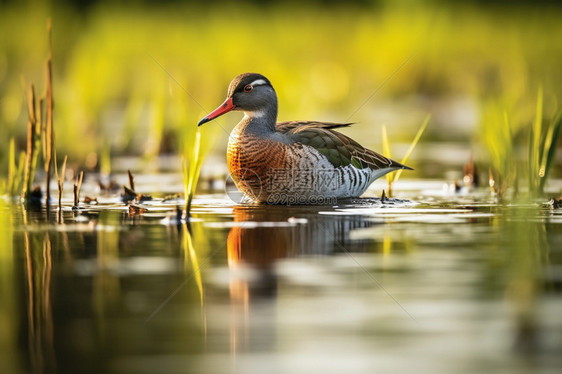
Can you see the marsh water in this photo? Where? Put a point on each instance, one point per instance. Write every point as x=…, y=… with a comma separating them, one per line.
x=433, y=281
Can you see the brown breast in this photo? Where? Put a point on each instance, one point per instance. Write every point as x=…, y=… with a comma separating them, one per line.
x=253, y=161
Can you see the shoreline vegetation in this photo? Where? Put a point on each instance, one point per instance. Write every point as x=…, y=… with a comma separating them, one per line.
x=114, y=97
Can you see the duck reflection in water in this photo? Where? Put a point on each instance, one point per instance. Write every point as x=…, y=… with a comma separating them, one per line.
x=264, y=237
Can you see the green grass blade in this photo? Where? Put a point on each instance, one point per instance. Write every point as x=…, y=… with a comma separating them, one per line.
x=386, y=153
x=18, y=181
x=550, y=145
x=538, y=125
x=156, y=127
x=535, y=149
x=185, y=171
x=194, y=170
x=11, y=167
x=105, y=159
x=385, y=143
x=191, y=171
x=413, y=145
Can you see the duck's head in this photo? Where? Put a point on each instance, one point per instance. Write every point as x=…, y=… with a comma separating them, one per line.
x=251, y=93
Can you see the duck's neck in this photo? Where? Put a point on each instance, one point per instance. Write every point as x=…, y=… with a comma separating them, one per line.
x=260, y=122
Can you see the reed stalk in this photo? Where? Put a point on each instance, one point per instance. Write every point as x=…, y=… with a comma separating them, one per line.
x=542, y=147
x=535, y=144
x=60, y=181
x=131, y=180
x=77, y=186
x=12, y=168
x=18, y=181
x=31, y=146
x=49, y=134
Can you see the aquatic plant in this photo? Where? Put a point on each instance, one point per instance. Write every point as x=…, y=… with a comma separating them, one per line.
x=394, y=176
x=501, y=136
x=191, y=166
x=388, y=153
x=542, y=147
x=40, y=135
x=32, y=146
x=131, y=180
x=60, y=181
x=77, y=187
x=156, y=125
x=497, y=136
x=47, y=130
x=105, y=159
x=12, y=186
x=455, y=51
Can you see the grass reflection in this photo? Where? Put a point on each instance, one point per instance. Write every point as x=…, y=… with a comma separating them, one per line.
x=38, y=261
x=106, y=291
x=193, y=265
x=526, y=252
x=9, y=316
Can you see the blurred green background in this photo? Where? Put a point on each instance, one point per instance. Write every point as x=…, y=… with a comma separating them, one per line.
x=324, y=59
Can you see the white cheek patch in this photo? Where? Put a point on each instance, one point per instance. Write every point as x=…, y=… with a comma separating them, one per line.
x=255, y=114
x=259, y=113
x=258, y=82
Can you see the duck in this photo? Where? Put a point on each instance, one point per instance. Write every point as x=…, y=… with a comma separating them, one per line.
x=295, y=162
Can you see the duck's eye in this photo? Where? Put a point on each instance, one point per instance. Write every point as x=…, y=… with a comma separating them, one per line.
x=248, y=88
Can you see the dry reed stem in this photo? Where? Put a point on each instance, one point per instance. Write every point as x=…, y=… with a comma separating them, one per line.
x=77, y=187
x=31, y=125
x=49, y=135
x=131, y=180
x=49, y=131
x=60, y=181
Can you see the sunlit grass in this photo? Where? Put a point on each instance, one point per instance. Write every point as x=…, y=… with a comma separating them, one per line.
x=111, y=95
x=60, y=181
x=14, y=182
x=76, y=189
x=40, y=137
x=156, y=125
x=394, y=176
x=542, y=147
x=46, y=120
x=33, y=145
x=191, y=164
x=105, y=159
x=497, y=136
x=387, y=153
x=503, y=136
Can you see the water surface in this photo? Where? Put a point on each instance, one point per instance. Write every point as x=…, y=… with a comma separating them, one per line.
x=434, y=283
